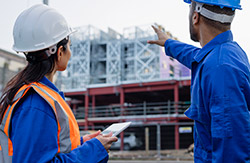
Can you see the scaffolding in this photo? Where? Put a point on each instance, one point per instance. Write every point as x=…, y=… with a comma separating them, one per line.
x=102, y=59
x=141, y=61
x=114, y=77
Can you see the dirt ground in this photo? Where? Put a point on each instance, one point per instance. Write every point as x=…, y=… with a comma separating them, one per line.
x=177, y=155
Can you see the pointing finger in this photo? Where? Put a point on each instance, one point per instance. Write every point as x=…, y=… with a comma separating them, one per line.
x=156, y=29
x=153, y=28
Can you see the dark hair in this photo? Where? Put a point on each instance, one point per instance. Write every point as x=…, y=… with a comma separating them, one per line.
x=215, y=24
x=39, y=66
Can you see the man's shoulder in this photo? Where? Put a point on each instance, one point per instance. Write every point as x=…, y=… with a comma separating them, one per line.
x=227, y=53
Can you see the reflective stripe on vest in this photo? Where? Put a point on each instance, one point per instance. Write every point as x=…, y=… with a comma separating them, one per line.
x=68, y=129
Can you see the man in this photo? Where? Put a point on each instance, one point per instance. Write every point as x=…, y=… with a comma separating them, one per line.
x=220, y=84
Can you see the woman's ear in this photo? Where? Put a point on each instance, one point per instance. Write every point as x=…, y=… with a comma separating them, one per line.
x=59, y=53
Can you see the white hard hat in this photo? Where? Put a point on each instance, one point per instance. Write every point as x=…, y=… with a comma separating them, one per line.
x=39, y=27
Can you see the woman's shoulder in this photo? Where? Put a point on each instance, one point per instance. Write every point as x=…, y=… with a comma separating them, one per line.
x=32, y=100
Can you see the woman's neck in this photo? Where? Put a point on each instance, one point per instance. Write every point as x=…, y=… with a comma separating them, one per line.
x=50, y=76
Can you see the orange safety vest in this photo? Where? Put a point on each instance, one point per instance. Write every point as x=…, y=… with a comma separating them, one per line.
x=68, y=130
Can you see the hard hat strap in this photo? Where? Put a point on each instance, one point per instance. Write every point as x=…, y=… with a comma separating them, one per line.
x=33, y=59
x=51, y=50
x=213, y=16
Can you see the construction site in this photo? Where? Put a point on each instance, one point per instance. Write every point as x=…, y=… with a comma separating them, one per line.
x=72, y=70
x=113, y=77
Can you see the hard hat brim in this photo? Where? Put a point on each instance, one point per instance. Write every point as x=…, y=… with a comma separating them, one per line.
x=217, y=4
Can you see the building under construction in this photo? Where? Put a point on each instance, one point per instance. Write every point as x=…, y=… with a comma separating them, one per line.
x=114, y=77
x=10, y=65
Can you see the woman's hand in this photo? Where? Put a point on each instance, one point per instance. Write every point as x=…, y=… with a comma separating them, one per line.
x=107, y=140
x=162, y=37
x=91, y=136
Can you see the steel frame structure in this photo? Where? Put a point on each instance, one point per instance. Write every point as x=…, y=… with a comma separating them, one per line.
x=100, y=59
x=108, y=63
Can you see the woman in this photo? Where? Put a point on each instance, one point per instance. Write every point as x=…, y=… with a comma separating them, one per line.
x=36, y=123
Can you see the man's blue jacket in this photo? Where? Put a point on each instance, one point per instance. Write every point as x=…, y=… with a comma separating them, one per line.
x=34, y=134
x=220, y=98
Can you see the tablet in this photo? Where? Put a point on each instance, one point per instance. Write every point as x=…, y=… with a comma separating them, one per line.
x=116, y=128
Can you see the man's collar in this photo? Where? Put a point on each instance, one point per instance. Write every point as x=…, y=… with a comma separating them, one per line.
x=219, y=39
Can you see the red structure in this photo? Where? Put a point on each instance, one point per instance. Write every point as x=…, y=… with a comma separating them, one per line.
x=172, y=91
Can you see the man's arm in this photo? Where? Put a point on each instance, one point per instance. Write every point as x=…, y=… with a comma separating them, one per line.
x=184, y=53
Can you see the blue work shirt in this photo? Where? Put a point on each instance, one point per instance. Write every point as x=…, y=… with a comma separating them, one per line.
x=34, y=134
x=220, y=98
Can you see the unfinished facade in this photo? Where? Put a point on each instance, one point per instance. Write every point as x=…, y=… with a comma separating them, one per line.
x=114, y=77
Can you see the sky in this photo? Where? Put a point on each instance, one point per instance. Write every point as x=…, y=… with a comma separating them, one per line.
x=120, y=14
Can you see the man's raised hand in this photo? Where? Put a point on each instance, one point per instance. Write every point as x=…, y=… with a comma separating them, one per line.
x=162, y=37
